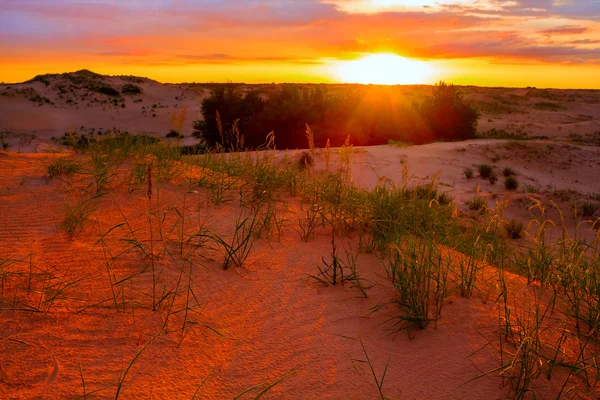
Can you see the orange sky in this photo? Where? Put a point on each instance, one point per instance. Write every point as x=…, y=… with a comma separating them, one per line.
x=543, y=43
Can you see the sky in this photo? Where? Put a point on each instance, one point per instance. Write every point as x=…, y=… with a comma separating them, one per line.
x=542, y=43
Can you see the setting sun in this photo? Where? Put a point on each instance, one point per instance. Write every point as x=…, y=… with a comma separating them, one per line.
x=384, y=69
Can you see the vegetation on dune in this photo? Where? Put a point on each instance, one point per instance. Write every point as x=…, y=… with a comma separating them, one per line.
x=468, y=172
x=371, y=114
x=511, y=183
x=130, y=88
x=426, y=249
x=485, y=170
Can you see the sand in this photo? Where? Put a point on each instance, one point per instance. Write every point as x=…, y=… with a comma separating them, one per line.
x=271, y=318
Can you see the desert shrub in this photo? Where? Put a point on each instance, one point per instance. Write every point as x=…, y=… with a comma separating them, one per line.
x=485, y=170
x=514, y=229
x=468, y=172
x=448, y=115
x=493, y=178
x=547, y=106
x=107, y=90
x=511, y=183
x=508, y=172
x=129, y=88
x=305, y=159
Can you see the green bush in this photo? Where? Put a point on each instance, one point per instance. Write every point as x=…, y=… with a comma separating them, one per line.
x=468, y=173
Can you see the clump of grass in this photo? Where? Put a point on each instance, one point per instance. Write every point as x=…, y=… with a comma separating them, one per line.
x=514, y=229
x=238, y=250
x=508, y=172
x=468, y=172
x=338, y=271
x=419, y=274
x=588, y=209
x=532, y=189
x=62, y=166
x=327, y=154
x=511, y=183
x=445, y=199
x=493, y=178
x=77, y=213
x=426, y=192
x=485, y=170
x=311, y=143
x=477, y=203
x=309, y=220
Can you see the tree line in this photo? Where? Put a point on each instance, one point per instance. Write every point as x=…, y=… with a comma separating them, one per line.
x=371, y=115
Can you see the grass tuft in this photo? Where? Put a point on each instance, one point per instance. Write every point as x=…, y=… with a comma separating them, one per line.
x=485, y=170
x=511, y=183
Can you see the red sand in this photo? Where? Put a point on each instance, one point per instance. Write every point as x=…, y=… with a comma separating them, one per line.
x=272, y=318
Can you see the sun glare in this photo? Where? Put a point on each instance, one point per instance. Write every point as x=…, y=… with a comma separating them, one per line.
x=384, y=69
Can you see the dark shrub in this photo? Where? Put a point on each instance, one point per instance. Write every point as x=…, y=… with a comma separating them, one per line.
x=371, y=115
x=508, y=172
x=449, y=117
x=485, y=170
x=305, y=159
x=174, y=134
x=588, y=209
x=129, y=88
x=511, y=183
x=107, y=90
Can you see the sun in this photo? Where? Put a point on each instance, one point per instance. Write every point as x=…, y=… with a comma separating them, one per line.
x=384, y=69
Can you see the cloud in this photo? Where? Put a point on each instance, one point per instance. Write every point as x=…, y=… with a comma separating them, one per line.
x=301, y=31
x=564, y=30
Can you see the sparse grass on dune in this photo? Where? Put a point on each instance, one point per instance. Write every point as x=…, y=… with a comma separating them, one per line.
x=60, y=166
x=427, y=249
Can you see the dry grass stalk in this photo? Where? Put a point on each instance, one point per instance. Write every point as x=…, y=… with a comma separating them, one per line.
x=327, y=154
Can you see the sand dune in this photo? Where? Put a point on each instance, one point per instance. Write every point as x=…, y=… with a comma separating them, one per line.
x=74, y=317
